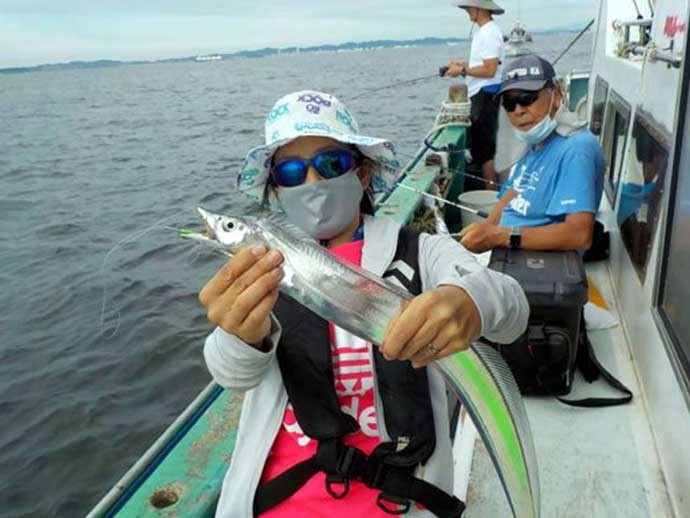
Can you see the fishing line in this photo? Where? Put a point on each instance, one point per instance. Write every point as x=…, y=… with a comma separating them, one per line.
x=392, y=85
x=132, y=237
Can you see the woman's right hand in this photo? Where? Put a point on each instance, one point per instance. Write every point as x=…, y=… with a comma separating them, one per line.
x=240, y=296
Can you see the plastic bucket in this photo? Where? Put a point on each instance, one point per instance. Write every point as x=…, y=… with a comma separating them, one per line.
x=478, y=200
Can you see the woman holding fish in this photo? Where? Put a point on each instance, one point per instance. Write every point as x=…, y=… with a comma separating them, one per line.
x=332, y=425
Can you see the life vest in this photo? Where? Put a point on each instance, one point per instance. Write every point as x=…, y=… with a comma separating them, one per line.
x=307, y=371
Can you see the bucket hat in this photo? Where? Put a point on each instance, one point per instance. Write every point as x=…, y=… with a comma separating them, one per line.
x=487, y=5
x=310, y=113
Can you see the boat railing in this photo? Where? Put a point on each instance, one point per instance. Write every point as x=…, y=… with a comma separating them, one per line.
x=626, y=38
x=653, y=53
x=641, y=44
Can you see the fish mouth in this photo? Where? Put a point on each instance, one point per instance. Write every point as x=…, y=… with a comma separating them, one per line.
x=207, y=217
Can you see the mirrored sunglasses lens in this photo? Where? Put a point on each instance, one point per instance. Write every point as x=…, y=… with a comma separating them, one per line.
x=332, y=164
x=290, y=173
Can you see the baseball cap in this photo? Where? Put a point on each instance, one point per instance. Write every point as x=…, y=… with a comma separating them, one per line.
x=529, y=73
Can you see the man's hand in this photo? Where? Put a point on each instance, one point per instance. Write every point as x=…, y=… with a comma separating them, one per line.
x=433, y=325
x=456, y=68
x=482, y=236
x=240, y=296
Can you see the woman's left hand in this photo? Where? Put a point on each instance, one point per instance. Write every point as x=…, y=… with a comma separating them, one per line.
x=432, y=325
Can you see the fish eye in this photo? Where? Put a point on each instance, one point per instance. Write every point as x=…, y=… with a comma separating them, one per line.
x=229, y=225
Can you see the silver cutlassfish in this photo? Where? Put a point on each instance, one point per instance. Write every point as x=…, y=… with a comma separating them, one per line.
x=363, y=304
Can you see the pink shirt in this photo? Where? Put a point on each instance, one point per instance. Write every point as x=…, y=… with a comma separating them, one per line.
x=354, y=385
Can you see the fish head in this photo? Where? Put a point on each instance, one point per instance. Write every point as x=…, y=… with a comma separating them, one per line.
x=231, y=231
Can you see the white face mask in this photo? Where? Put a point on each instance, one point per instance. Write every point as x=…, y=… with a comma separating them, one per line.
x=539, y=131
x=325, y=208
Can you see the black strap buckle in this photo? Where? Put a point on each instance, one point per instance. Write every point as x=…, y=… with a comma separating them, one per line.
x=375, y=475
x=345, y=461
x=349, y=466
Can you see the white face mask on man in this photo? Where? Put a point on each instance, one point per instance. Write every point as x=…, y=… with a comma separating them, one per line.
x=541, y=130
x=325, y=208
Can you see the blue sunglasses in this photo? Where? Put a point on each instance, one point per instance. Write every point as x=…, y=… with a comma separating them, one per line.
x=330, y=164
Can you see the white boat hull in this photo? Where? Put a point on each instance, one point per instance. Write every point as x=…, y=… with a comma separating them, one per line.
x=517, y=49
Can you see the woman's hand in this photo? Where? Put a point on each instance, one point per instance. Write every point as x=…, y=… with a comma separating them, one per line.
x=433, y=325
x=240, y=296
x=482, y=236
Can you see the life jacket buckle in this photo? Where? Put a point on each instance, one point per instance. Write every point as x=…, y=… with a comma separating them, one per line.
x=375, y=475
x=345, y=461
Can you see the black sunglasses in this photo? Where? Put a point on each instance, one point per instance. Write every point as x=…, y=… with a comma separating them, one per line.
x=524, y=98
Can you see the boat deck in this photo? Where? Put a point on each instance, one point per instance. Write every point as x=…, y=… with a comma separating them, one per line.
x=599, y=462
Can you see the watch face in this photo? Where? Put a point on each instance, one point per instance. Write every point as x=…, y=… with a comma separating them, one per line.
x=515, y=239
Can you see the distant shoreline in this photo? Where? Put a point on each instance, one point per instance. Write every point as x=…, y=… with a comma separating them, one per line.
x=349, y=46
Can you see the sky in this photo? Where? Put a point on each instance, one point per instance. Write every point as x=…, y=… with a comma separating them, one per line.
x=34, y=32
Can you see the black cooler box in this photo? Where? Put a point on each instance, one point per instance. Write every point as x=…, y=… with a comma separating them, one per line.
x=543, y=359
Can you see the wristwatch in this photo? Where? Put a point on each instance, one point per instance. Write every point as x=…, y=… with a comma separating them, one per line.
x=515, y=238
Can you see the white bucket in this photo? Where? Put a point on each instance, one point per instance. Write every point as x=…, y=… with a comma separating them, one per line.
x=478, y=200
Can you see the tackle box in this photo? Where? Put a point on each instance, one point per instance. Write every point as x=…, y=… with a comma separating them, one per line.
x=556, y=287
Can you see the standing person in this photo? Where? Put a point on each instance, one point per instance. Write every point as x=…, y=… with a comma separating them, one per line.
x=483, y=74
x=317, y=395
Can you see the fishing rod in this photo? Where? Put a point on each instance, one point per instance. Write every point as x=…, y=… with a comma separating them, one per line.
x=475, y=177
x=480, y=213
x=392, y=85
x=442, y=71
x=591, y=22
x=457, y=171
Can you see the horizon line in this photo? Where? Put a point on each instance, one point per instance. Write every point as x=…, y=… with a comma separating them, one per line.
x=248, y=52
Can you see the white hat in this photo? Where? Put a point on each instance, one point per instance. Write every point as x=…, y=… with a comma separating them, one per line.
x=316, y=114
x=487, y=5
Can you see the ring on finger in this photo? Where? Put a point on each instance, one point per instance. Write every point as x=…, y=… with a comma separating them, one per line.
x=433, y=349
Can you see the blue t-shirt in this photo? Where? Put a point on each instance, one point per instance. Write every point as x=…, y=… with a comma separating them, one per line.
x=563, y=177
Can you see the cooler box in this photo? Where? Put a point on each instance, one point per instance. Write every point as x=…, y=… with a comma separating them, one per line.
x=556, y=287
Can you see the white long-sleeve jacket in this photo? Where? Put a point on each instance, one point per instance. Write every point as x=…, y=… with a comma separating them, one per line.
x=503, y=309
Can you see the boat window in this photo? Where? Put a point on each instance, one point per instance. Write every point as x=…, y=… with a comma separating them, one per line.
x=674, y=282
x=641, y=190
x=601, y=90
x=615, y=132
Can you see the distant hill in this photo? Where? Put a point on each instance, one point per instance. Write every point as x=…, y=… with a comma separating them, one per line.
x=268, y=51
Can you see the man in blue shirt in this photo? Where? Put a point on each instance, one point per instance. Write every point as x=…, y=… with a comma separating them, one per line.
x=552, y=196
